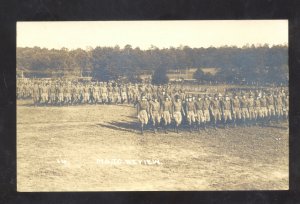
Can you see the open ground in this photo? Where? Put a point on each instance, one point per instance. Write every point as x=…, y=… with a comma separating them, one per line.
x=73, y=149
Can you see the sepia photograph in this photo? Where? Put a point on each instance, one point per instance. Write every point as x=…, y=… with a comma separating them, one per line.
x=165, y=105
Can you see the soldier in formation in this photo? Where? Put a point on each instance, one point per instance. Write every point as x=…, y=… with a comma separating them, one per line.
x=164, y=106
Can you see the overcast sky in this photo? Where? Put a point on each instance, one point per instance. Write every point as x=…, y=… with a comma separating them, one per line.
x=143, y=34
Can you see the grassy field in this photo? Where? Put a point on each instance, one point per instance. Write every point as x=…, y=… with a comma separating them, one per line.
x=72, y=149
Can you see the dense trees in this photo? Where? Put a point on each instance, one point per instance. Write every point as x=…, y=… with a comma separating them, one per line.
x=160, y=76
x=248, y=64
x=199, y=75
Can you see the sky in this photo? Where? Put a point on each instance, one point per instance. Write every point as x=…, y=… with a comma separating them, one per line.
x=143, y=34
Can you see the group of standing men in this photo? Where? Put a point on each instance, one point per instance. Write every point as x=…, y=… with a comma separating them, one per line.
x=61, y=92
x=166, y=105
x=203, y=111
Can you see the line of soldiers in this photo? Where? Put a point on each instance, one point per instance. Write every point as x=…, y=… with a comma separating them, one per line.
x=166, y=105
x=203, y=111
x=75, y=93
x=65, y=92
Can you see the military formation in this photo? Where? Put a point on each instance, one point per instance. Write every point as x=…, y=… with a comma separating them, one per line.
x=201, y=111
x=68, y=92
x=167, y=107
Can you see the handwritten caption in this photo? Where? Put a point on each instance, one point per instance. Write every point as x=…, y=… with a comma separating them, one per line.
x=147, y=162
x=128, y=162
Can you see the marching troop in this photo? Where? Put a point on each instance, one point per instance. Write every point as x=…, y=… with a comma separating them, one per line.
x=203, y=111
x=167, y=107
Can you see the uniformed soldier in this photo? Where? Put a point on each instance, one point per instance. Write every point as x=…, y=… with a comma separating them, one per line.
x=116, y=98
x=103, y=93
x=68, y=94
x=96, y=93
x=123, y=94
x=278, y=107
x=199, y=112
x=52, y=94
x=60, y=94
x=110, y=93
x=80, y=93
x=244, y=109
x=166, y=110
x=236, y=109
x=226, y=107
x=257, y=109
x=270, y=107
x=216, y=110
x=86, y=94
x=252, y=116
x=143, y=112
x=74, y=93
x=263, y=106
x=285, y=103
x=177, y=112
x=190, y=112
x=206, y=111
x=36, y=94
x=44, y=93
x=155, y=113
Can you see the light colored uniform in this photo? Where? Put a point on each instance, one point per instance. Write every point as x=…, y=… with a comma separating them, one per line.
x=44, y=94
x=166, y=110
x=285, y=109
x=190, y=112
x=143, y=108
x=199, y=111
x=206, y=106
x=252, y=114
x=86, y=95
x=278, y=106
x=60, y=94
x=244, y=108
x=270, y=106
x=236, y=108
x=154, y=110
x=103, y=92
x=67, y=94
x=215, y=108
x=226, y=107
x=123, y=94
x=96, y=95
x=263, y=107
x=52, y=94
x=257, y=108
x=177, y=112
x=35, y=94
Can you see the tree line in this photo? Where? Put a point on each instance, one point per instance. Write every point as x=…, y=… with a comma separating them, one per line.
x=250, y=63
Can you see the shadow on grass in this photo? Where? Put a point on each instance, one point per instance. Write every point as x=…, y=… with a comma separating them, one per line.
x=278, y=126
x=132, y=127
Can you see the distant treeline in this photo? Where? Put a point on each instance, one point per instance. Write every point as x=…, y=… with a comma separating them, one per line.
x=249, y=63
